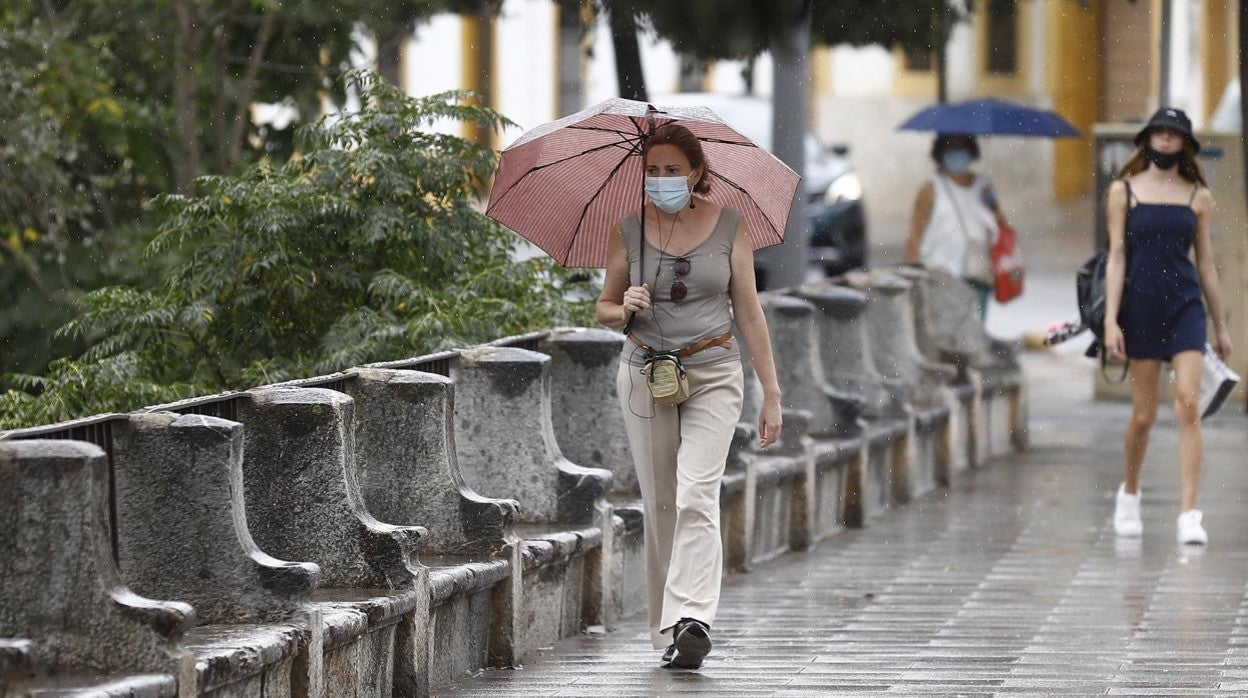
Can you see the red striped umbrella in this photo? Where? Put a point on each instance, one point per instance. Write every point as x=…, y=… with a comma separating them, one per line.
x=565, y=184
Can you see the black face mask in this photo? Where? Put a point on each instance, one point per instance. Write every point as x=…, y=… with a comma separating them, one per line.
x=1163, y=161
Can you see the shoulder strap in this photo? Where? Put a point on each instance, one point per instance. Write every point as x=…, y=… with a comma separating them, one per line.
x=953, y=201
x=1195, y=191
x=1122, y=377
x=1126, y=216
x=729, y=221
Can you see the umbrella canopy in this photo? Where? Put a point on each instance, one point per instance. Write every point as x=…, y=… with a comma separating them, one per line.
x=564, y=185
x=989, y=117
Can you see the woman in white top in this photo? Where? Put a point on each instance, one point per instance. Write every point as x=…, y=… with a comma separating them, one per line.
x=956, y=217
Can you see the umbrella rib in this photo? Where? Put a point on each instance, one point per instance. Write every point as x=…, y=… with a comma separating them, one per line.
x=738, y=187
x=535, y=168
x=722, y=141
x=599, y=128
x=584, y=211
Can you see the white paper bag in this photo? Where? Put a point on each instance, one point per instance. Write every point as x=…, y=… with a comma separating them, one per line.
x=1217, y=381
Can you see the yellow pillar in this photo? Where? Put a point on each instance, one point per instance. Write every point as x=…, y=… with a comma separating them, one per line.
x=820, y=79
x=477, y=62
x=1074, y=82
x=1216, y=54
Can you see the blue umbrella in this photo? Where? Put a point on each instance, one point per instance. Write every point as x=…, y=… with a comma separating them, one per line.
x=989, y=117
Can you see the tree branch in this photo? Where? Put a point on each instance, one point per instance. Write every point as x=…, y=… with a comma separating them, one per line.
x=32, y=272
x=50, y=13
x=296, y=68
x=242, y=107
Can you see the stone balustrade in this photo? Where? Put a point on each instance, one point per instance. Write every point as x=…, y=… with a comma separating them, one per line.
x=589, y=426
x=949, y=329
x=821, y=446
x=439, y=514
x=919, y=390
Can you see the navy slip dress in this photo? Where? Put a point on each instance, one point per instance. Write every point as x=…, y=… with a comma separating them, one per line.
x=1162, y=313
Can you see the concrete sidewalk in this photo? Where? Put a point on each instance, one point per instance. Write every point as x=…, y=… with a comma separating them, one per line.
x=1010, y=582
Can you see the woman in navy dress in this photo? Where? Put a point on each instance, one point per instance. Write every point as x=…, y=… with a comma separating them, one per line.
x=1157, y=211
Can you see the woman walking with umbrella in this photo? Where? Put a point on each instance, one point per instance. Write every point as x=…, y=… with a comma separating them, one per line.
x=956, y=215
x=1158, y=211
x=632, y=188
x=699, y=280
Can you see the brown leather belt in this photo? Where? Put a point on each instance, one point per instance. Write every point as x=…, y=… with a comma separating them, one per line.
x=723, y=340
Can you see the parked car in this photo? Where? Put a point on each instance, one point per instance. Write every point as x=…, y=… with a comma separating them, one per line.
x=830, y=187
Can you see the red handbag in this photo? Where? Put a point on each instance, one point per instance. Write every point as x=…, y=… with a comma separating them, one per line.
x=1007, y=265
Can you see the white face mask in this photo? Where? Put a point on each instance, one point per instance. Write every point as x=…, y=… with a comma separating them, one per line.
x=956, y=161
x=668, y=193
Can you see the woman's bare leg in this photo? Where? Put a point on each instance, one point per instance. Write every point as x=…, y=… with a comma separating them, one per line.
x=1187, y=369
x=1144, y=377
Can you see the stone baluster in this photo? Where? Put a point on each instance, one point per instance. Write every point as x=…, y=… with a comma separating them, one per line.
x=195, y=546
x=894, y=349
x=406, y=449
x=60, y=591
x=506, y=440
x=843, y=349
x=585, y=404
x=303, y=498
x=800, y=371
x=409, y=465
x=304, y=503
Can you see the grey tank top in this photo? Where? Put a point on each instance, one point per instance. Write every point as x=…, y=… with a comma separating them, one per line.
x=704, y=312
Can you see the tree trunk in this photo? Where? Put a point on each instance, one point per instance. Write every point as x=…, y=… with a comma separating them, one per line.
x=185, y=97
x=571, y=34
x=692, y=71
x=1243, y=91
x=747, y=74
x=1163, y=89
x=390, y=58
x=941, y=45
x=785, y=265
x=628, y=73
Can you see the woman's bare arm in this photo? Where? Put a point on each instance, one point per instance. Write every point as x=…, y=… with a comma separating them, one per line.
x=609, y=309
x=919, y=218
x=1207, y=267
x=748, y=314
x=1116, y=265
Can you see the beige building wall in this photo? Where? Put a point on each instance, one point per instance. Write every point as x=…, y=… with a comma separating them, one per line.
x=1128, y=62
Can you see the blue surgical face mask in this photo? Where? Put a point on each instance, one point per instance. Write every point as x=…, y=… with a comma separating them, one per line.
x=668, y=193
x=956, y=161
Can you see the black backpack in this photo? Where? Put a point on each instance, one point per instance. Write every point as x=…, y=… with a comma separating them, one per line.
x=1090, y=293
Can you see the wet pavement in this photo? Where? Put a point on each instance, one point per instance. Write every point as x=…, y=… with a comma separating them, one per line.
x=1010, y=582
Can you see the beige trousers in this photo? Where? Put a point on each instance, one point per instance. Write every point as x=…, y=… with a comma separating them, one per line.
x=680, y=453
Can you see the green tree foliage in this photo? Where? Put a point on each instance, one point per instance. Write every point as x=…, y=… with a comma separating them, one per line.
x=746, y=28
x=78, y=162
x=368, y=246
x=107, y=103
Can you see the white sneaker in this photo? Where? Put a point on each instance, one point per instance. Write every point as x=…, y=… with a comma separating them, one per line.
x=1127, y=521
x=1190, y=530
